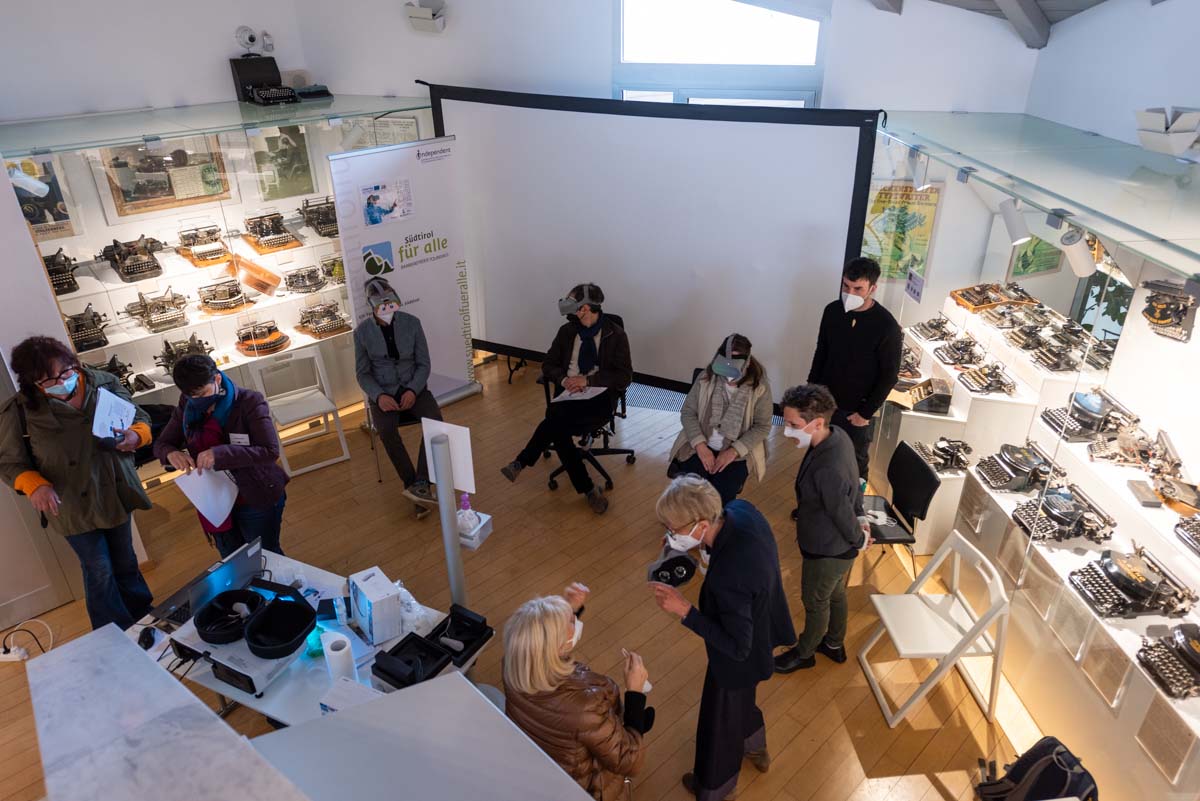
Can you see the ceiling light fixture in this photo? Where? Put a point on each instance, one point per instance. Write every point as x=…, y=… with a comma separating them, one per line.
x=1014, y=221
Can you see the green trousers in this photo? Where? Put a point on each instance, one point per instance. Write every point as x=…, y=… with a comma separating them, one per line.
x=823, y=591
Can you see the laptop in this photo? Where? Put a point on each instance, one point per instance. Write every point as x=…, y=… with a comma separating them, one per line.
x=232, y=572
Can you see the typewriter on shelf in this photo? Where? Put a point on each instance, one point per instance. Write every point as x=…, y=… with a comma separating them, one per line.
x=61, y=269
x=1188, y=530
x=304, y=280
x=986, y=296
x=935, y=330
x=1100, y=354
x=1064, y=514
x=1170, y=309
x=323, y=320
x=1004, y=317
x=1133, y=447
x=1177, y=494
x=223, y=296
x=988, y=379
x=134, y=261
x=1056, y=359
x=1174, y=661
x=266, y=233
x=910, y=368
x=945, y=454
x=86, y=329
x=159, y=312
x=118, y=368
x=203, y=246
x=964, y=351
x=1090, y=414
x=320, y=216
x=257, y=80
x=174, y=350
x=260, y=339
x=1018, y=469
x=1067, y=335
x=1131, y=585
x=931, y=396
x=1027, y=336
x=334, y=271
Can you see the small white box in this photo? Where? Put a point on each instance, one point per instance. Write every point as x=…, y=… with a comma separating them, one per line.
x=475, y=537
x=375, y=605
x=1152, y=119
x=346, y=693
x=1173, y=144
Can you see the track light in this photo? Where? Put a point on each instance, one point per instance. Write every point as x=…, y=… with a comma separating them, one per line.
x=23, y=180
x=1079, y=255
x=918, y=169
x=1014, y=221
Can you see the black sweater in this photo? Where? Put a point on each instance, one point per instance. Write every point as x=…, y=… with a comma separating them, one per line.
x=857, y=357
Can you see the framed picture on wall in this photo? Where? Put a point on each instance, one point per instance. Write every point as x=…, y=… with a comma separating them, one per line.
x=899, y=229
x=1035, y=257
x=281, y=162
x=52, y=215
x=360, y=134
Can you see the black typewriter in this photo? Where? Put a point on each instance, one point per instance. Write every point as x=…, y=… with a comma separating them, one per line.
x=304, y=280
x=1174, y=661
x=987, y=379
x=931, y=396
x=1069, y=334
x=945, y=454
x=203, y=245
x=1064, y=514
x=1188, y=530
x=61, y=269
x=333, y=269
x=257, y=80
x=175, y=350
x=223, y=296
x=1131, y=585
x=910, y=367
x=1170, y=309
x=1038, y=314
x=1004, y=317
x=1018, y=469
x=320, y=216
x=964, y=351
x=935, y=330
x=1099, y=354
x=1055, y=358
x=134, y=261
x=86, y=329
x=1027, y=336
x=118, y=368
x=324, y=319
x=160, y=312
x=268, y=232
x=1090, y=414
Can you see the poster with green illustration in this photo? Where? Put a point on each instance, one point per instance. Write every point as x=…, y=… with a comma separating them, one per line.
x=899, y=229
x=1035, y=257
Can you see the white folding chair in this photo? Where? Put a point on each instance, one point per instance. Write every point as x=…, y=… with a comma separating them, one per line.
x=944, y=627
x=297, y=389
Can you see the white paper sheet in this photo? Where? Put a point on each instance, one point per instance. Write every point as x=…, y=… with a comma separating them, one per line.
x=460, y=451
x=112, y=412
x=212, y=492
x=586, y=394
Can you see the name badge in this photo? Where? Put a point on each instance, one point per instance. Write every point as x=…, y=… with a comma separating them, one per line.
x=239, y=439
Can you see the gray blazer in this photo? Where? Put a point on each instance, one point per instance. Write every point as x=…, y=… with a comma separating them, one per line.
x=380, y=374
x=828, y=500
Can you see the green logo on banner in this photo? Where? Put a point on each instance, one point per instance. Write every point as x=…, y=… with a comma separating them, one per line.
x=377, y=259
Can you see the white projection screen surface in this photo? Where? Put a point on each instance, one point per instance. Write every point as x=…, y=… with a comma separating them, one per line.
x=693, y=228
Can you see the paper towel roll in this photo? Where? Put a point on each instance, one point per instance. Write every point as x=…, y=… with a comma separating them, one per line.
x=339, y=657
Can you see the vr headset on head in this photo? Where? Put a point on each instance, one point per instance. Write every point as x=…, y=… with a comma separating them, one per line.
x=570, y=305
x=725, y=365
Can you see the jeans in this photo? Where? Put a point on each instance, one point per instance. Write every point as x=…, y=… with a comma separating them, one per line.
x=114, y=589
x=823, y=591
x=729, y=482
x=562, y=423
x=250, y=523
x=860, y=437
x=388, y=426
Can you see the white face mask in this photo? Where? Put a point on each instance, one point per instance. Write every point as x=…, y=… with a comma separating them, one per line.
x=684, y=542
x=385, y=312
x=852, y=302
x=801, y=435
x=571, y=643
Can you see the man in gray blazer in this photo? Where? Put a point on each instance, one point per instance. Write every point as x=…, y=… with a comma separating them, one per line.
x=391, y=362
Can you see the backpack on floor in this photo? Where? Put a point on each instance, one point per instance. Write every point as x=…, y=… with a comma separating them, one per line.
x=1046, y=771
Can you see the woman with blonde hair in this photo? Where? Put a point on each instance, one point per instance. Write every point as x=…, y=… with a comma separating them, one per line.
x=573, y=713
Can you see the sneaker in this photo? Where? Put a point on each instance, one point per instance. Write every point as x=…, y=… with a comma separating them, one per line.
x=420, y=492
x=761, y=760
x=836, y=654
x=790, y=661
x=689, y=784
x=512, y=470
x=597, y=501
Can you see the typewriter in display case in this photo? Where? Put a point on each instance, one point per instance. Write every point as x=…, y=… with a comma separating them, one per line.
x=333, y=269
x=981, y=297
x=323, y=320
x=1174, y=661
x=174, y=350
x=987, y=380
x=1004, y=317
x=134, y=261
x=203, y=246
x=1067, y=335
x=1064, y=514
x=1099, y=354
x=1027, y=336
x=961, y=352
x=1188, y=530
x=935, y=330
x=159, y=312
x=1178, y=495
x=61, y=269
x=261, y=339
x=931, y=396
x=223, y=296
x=1170, y=309
x=910, y=368
x=1018, y=469
x=1055, y=358
x=304, y=280
x=257, y=80
x=266, y=233
x=945, y=454
x=1131, y=585
x=86, y=329
x=1133, y=447
x=1089, y=414
x=320, y=216
x=116, y=367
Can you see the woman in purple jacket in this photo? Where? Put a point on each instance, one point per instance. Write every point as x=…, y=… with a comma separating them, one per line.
x=220, y=426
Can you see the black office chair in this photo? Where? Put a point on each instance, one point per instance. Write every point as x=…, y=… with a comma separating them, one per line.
x=914, y=483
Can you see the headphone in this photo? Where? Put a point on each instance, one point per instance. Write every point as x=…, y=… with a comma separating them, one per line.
x=220, y=621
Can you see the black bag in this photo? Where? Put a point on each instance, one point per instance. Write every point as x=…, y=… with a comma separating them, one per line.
x=1046, y=771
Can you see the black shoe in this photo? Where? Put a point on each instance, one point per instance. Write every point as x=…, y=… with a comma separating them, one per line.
x=421, y=493
x=836, y=654
x=512, y=470
x=790, y=661
x=597, y=501
x=795, y=512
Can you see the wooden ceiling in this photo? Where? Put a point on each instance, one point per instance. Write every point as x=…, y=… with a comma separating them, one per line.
x=1031, y=18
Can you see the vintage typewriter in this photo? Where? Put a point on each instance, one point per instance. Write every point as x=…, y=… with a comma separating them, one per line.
x=1027, y=336
x=1089, y=414
x=323, y=320
x=964, y=352
x=333, y=269
x=320, y=216
x=1018, y=469
x=61, y=269
x=1056, y=359
x=86, y=329
x=988, y=379
x=304, y=280
x=203, y=246
x=1170, y=309
x=945, y=454
x=260, y=339
x=118, y=368
x=1004, y=317
x=266, y=233
x=1174, y=661
x=931, y=396
x=910, y=368
x=1131, y=585
x=174, y=350
x=1099, y=354
x=159, y=312
x=1068, y=335
x=1188, y=530
x=1177, y=494
x=986, y=296
x=1064, y=514
x=935, y=330
x=1133, y=447
x=134, y=261
x=223, y=296
x=257, y=80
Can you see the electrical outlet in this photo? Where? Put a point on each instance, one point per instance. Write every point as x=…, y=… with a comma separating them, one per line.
x=14, y=655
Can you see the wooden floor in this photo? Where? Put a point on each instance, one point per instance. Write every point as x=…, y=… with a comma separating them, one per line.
x=824, y=728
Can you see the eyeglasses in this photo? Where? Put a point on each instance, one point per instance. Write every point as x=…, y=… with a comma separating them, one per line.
x=57, y=379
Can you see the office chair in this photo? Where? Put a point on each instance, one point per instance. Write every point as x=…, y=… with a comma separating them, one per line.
x=914, y=483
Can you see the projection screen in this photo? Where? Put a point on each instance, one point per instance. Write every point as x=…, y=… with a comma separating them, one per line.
x=696, y=221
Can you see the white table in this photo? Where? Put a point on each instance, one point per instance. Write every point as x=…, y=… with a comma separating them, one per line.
x=440, y=739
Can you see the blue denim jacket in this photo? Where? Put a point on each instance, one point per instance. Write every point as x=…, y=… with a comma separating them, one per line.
x=380, y=374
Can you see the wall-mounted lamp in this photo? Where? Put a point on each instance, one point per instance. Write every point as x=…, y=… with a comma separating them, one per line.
x=1014, y=221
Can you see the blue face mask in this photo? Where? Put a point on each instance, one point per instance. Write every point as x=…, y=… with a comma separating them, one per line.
x=202, y=405
x=64, y=390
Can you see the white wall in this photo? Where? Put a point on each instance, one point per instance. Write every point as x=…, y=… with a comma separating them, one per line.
x=1114, y=59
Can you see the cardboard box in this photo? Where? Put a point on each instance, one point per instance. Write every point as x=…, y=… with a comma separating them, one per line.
x=375, y=605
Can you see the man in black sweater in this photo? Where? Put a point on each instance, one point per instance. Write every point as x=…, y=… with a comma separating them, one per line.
x=858, y=354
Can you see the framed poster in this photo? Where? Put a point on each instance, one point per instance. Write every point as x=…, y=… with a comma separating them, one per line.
x=281, y=162
x=156, y=176
x=899, y=229
x=1035, y=257
x=361, y=134
x=53, y=215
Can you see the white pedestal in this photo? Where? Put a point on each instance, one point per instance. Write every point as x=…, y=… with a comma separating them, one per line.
x=939, y=521
x=901, y=425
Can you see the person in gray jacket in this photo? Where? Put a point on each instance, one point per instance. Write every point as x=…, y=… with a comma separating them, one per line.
x=391, y=362
x=829, y=530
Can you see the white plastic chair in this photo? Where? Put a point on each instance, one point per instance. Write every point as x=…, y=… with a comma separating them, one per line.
x=944, y=627
x=307, y=397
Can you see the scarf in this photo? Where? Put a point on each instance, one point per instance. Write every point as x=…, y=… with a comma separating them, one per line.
x=587, y=345
x=195, y=415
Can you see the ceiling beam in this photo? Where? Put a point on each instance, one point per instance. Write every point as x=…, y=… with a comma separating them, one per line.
x=1029, y=20
x=893, y=6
